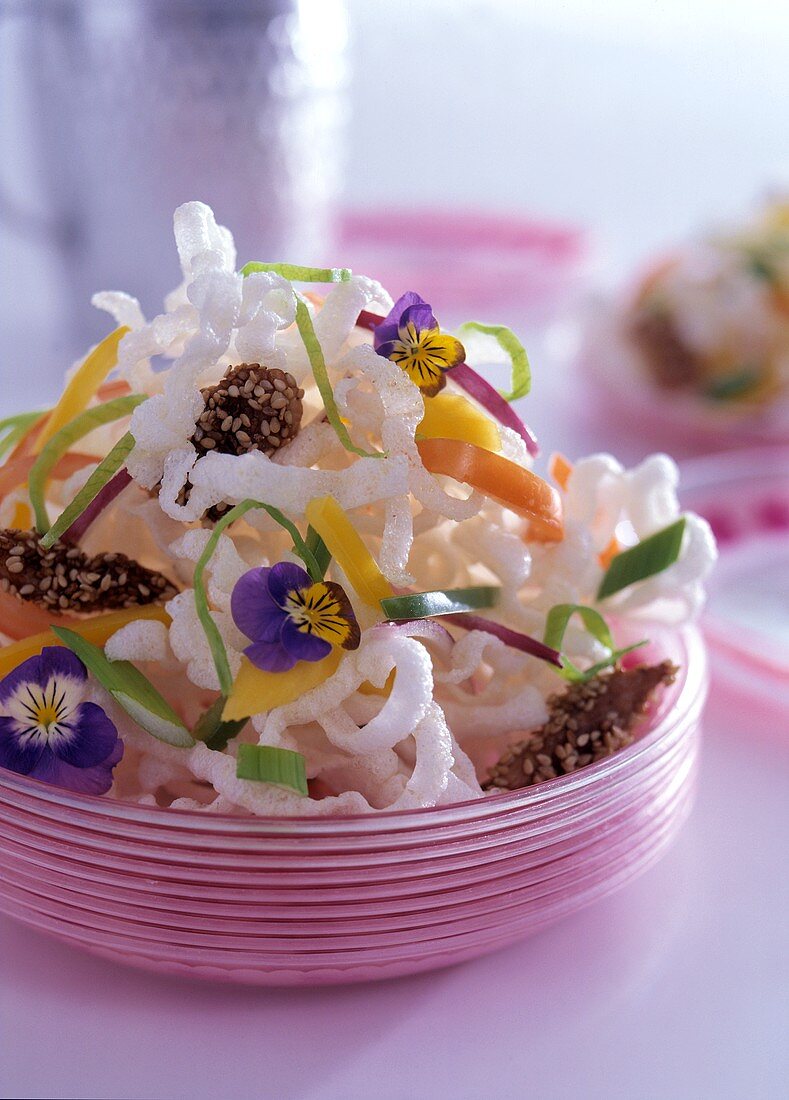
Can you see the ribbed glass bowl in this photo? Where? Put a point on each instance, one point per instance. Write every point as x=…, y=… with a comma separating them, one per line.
x=302, y=901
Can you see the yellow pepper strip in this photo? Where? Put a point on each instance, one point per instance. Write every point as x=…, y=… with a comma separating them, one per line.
x=369, y=689
x=502, y=480
x=560, y=469
x=83, y=386
x=22, y=519
x=97, y=630
x=255, y=690
x=346, y=547
x=450, y=416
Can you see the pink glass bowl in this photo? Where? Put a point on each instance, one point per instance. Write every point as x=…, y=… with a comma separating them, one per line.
x=274, y=901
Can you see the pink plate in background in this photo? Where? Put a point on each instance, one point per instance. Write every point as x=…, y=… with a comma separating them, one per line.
x=465, y=262
x=745, y=497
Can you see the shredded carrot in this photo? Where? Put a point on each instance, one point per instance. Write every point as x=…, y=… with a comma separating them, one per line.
x=606, y=556
x=16, y=473
x=110, y=390
x=560, y=469
x=26, y=445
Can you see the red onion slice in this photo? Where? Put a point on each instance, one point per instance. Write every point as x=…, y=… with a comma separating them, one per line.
x=105, y=496
x=490, y=399
x=512, y=638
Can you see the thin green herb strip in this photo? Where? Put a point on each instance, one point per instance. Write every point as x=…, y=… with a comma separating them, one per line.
x=213, y=731
x=319, y=551
x=130, y=689
x=215, y=643
x=63, y=440
x=647, y=558
x=732, y=386
x=294, y=273
x=299, y=545
x=443, y=601
x=318, y=364
x=509, y=343
x=104, y=472
x=268, y=764
x=13, y=428
x=556, y=625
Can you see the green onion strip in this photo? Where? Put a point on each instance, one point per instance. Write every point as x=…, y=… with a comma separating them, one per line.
x=650, y=556
x=509, y=343
x=269, y=764
x=443, y=601
x=556, y=624
x=63, y=440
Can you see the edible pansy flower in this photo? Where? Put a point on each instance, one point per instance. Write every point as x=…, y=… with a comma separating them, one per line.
x=48, y=730
x=289, y=617
x=409, y=335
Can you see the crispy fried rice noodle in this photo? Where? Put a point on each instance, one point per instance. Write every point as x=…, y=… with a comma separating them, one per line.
x=399, y=722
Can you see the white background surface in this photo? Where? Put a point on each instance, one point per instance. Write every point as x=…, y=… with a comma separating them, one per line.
x=639, y=120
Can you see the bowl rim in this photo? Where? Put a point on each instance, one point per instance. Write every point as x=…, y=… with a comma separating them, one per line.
x=681, y=709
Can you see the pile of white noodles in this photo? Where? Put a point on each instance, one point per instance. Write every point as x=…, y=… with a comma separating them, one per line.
x=364, y=750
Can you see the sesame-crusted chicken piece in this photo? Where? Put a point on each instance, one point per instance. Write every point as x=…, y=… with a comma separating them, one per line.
x=65, y=578
x=252, y=408
x=589, y=721
x=670, y=361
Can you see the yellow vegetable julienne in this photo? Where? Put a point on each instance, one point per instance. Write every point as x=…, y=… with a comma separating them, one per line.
x=255, y=690
x=22, y=518
x=347, y=548
x=83, y=386
x=451, y=416
x=97, y=630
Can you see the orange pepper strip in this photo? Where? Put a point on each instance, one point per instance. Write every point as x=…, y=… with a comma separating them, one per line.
x=497, y=477
x=15, y=473
x=560, y=469
x=26, y=445
x=607, y=556
x=110, y=390
x=17, y=618
x=83, y=385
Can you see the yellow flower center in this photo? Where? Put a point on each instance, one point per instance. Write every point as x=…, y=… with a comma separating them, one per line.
x=45, y=715
x=316, y=610
x=425, y=355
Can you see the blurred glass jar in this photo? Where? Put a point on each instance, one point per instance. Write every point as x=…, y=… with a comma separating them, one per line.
x=116, y=111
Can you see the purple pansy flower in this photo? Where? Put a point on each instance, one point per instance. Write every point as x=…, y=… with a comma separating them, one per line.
x=409, y=335
x=290, y=617
x=48, y=732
